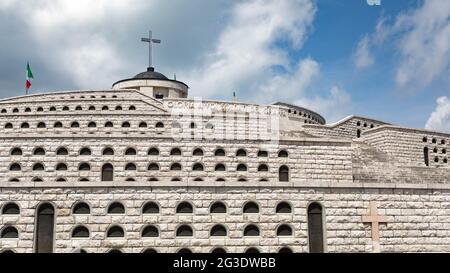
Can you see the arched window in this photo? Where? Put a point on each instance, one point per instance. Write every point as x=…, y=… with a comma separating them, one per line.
x=9, y=232
x=220, y=179
x=150, y=208
x=16, y=151
x=184, y=231
x=283, y=153
x=175, y=151
x=283, y=174
x=150, y=231
x=198, y=152
x=11, y=209
x=198, y=179
x=241, y=152
x=25, y=125
x=4, y=111
x=62, y=151
x=142, y=125
x=185, y=207
x=118, y=108
x=241, y=168
x=85, y=151
x=126, y=124
x=153, y=151
x=130, y=179
x=80, y=232
x=175, y=179
x=27, y=110
x=219, y=152
x=15, y=110
x=81, y=208
x=284, y=230
x=153, y=179
x=109, y=124
x=197, y=167
x=159, y=125
x=425, y=156
x=14, y=180
x=263, y=154
x=218, y=250
x=61, y=179
x=116, y=208
x=150, y=250
x=219, y=168
x=58, y=124
x=107, y=172
x=52, y=109
x=108, y=151
x=175, y=167
x=132, y=108
x=8, y=125
x=15, y=167
x=153, y=167
x=358, y=133
x=44, y=234
x=183, y=250
x=61, y=167
x=285, y=250
x=115, y=232
x=84, y=167
x=315, y=228
x=39, y=151
x=41, y=125
x=283, y=207
x=75, y=125
x=65, y=108
x=263, y=168
x=130, y=151
x=218, y=207
x=242, y=179
x=253, y=250
x=92, y=124
x=130, y=167
x=218, y=230
x=251, y=230
x=105, y=108
x=37, y=179
x=91, y=108
x=251, y=207
x=38, y=167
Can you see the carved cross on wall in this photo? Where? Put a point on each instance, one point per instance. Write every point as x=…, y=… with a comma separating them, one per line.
x=374, y=219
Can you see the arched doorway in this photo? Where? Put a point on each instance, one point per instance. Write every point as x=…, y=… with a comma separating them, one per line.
x=45, y=225
x=315, y=228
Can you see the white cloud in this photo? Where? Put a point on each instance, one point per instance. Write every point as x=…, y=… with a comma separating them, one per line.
x=362, y=56
x=440, y=118
x=289, y=86
x=245, y=52
x=334, y=106
x=422, y=39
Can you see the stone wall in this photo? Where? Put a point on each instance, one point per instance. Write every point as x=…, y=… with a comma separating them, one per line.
x=417, y=220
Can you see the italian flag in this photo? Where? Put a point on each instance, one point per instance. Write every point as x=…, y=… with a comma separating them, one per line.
x=29, y=75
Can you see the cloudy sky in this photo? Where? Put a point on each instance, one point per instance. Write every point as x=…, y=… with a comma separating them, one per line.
x=388, y=61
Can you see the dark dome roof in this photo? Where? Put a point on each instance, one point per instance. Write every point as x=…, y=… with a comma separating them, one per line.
x=150, y=74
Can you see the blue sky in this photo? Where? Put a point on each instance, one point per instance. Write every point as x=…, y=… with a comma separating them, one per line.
x=388, y=61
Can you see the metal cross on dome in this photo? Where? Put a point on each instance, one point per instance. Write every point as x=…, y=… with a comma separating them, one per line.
x=150, y=41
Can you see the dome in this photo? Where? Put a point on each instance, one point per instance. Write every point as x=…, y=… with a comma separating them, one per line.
x=150, y=74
